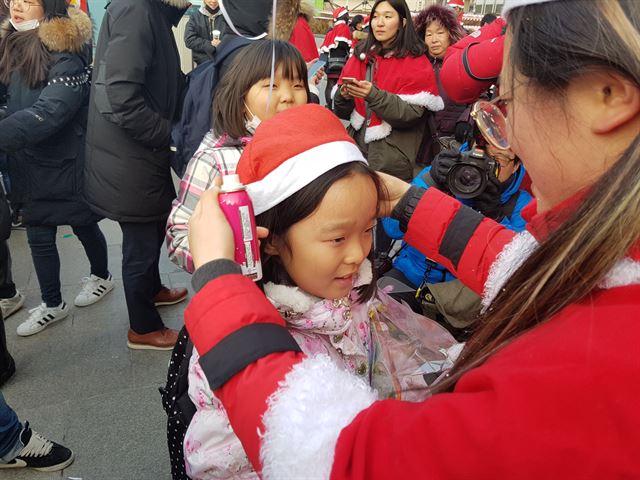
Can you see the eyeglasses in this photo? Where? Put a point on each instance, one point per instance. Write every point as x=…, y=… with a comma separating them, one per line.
x=492, y=122
x=24, y=4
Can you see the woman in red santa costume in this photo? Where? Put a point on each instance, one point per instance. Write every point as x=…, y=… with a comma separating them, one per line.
x=548, y=385
x=385, y=89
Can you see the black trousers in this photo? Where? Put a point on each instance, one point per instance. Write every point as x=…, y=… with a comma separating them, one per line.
x=141, y=243
x=7, y=287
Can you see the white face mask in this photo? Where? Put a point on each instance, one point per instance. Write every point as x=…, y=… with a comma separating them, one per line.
x=252, y=124
x=26, y=25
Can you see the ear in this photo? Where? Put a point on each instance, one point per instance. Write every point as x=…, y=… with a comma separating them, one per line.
x=617, y=102
x=271, y=247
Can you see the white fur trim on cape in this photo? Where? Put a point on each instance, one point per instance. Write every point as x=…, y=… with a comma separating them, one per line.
x=305, y=416
x=299, y=171
x=377, y=132
x=335, y=44
x=300, y=301
x=506, y=263
x=624, y=273
x=356, y=120
x=424, y=99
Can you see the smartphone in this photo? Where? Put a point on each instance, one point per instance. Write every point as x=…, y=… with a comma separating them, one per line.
x=348, y=80
x=317, y=65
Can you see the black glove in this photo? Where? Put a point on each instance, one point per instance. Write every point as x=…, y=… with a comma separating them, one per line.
x=488, y=202
x=441, y=165
x=463, y=132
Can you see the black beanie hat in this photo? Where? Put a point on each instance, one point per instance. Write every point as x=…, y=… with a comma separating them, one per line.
x=249, y=17
x=54, y=8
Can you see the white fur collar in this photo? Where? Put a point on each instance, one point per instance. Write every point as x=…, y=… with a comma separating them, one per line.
x=625, y=272
x=299, y=301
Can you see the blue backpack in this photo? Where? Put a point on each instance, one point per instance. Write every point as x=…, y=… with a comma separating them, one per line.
x=195, y=119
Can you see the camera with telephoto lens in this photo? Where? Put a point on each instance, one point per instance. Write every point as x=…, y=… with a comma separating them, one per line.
x=468, y=177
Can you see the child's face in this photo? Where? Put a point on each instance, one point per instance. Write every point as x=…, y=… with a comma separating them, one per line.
x=286, y=94
x=327, y=248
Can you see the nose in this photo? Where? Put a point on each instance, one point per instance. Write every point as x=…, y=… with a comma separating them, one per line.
x=357, y=251
x=286, y=93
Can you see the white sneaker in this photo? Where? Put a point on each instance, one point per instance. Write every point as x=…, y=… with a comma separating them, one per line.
x=93, y=289
x=9, y=306
x=42, y=316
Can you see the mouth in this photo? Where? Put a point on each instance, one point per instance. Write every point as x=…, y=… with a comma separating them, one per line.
x=18, y=19
x=345, y=279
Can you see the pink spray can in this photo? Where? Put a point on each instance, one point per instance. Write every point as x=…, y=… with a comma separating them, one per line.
x=238, y=209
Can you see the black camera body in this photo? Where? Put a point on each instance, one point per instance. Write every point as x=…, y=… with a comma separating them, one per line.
x=468, y=177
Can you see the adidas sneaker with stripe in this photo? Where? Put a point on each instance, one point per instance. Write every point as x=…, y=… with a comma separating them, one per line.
x=93, y=289
x=41, y=317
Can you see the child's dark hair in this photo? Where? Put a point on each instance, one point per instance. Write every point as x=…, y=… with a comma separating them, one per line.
x=407, y=41
x=298, y=207
x=251, y=65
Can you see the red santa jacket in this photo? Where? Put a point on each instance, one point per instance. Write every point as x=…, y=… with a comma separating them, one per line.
x=558, y=402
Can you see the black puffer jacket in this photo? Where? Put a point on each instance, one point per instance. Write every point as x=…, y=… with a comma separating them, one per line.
x=136, y=94
x=44, y=131
x=197, y=34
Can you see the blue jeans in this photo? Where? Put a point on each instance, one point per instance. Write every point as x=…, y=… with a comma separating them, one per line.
x=42, y=240
x=10, y=430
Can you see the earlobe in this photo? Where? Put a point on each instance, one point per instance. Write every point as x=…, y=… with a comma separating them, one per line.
x=619, y=104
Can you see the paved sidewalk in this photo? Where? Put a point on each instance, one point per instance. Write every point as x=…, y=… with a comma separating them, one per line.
x=78, y=383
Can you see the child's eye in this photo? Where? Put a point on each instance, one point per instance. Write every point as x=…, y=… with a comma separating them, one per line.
x=337, y=240
x=370, y=229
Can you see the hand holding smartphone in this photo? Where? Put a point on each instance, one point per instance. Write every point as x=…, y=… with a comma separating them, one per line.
x=348, y=80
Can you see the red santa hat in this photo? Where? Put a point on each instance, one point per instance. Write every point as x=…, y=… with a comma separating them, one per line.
x=366, y=21
x=456, y=3
x=340, y=13
x=291, y=150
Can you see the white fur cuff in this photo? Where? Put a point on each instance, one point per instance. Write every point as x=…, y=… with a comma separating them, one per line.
x=314, y=403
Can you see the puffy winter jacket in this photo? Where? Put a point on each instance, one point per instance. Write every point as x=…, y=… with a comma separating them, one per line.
x=418, y=268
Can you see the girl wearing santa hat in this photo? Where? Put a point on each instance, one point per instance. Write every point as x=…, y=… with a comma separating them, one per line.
x=385, y=90
x=313, y=191
x=243, y=99
x=548, y=386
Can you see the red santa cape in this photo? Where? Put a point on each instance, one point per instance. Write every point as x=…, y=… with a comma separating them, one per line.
x=302, y=38
x=410, y=78
x=339, y=33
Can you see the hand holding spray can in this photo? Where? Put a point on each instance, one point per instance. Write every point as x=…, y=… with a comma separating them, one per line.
x=238, y=209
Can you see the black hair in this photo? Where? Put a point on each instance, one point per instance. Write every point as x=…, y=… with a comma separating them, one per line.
x=297, y=207
x=251, y=65
x=406, y=42
x=356, y=20
x=488, y=18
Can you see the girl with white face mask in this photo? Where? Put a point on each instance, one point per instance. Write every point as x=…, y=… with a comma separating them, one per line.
x=45, y=54
x=244, y=97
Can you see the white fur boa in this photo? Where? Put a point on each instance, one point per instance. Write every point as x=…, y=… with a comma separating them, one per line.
x=306, y=414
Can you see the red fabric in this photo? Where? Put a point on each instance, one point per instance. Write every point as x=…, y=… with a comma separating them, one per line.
x=302, y=38
x=339, y=33
x=560, y=402
x=428, y=226
x=486, y=47
x=408, y=76
x=223, y=306
x=278, y=139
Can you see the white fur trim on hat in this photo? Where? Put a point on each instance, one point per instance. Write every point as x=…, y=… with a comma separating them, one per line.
x=299, y=171
x=306, y=414
x=511, y=4
x=356, y=120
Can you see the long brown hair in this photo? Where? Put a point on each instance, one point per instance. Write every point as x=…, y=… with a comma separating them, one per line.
x=23, y=52
x=552, y=43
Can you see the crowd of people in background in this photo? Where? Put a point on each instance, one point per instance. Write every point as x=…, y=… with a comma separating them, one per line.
x=406, y=252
